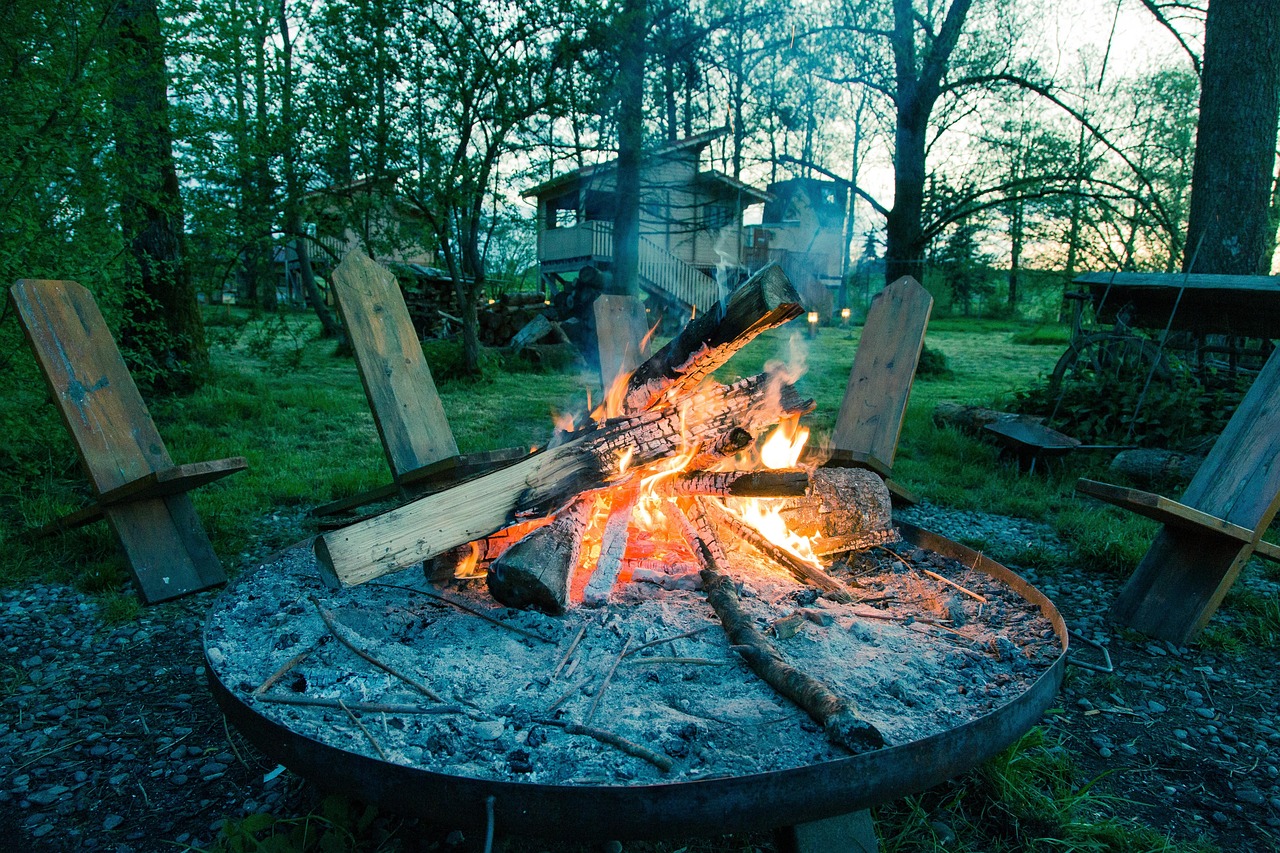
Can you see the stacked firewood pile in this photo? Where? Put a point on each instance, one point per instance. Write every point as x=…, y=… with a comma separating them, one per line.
x=656, y=479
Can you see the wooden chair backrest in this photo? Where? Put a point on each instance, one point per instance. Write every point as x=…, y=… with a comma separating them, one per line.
x=406, y=406
x=875, y=400
x=1239, y=480
x=95, y=394
x=620, y=336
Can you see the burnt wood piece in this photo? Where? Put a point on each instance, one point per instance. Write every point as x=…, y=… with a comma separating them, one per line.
x=748, y=484
x=544, y=481
x=875, y=397
x=613, y=545
x=846, y=509
x=731, y=443
x=1210, y=534
x=800, y=569
x=137, y=487
x=765, y=301
x=838, y=717
x=537, y=571
x=474, y=558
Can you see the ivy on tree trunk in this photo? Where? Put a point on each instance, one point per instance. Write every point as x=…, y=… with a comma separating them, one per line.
x=162, y=333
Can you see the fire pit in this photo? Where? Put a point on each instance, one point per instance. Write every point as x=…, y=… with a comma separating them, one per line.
x=700, y=634
x=741, y=759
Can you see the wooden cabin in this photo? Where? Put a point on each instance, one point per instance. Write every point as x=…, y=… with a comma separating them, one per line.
x=690, y=223
x=802, y=230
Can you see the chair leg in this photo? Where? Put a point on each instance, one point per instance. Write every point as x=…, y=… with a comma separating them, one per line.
x=166, y=545
x=1179, y=584
x=848, y=833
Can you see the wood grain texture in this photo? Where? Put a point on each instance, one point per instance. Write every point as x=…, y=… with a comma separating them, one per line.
x=140, y=492
x=113, y=432
x=1162, y=509
x=543, y=482
x=884, y=367
x=1179, y=584
x=621, y=331
x=406, y=407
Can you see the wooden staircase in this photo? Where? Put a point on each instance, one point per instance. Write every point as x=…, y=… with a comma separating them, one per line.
x=669, y=277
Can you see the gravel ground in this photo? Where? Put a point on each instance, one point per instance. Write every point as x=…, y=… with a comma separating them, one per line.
x=109, y=739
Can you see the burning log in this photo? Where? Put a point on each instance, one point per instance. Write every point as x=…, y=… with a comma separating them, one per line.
x=537, y=570
x=838, y=717
x=765, y=301
x=613, y=544
x=474, y=558
x=799, y=568
x=847, y=509
x=750, y=484
x=538, y=484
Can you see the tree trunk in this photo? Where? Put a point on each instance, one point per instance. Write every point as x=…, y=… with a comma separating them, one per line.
x=162, y=328
x=1015, y=252
x=632, y=25
x=1227, y=227
x=294, y=188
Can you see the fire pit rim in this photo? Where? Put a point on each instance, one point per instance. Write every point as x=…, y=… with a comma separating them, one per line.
x=710, y=805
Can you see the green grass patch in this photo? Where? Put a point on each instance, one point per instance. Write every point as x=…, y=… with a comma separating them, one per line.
x=1044, y=336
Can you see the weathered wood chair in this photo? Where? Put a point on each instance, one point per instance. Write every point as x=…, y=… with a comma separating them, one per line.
x=620, y=336
x=1207, y=537
x=406, y=407
x=884, y=367
x=137, y=487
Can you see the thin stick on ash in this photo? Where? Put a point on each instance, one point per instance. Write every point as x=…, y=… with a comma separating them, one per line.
x=369, y=707
x=368, y=734
x=564, y=697
x=568, y=652
x=465, y=608
x=285, y=667
x=595, y=703
x=837, y=716
x=632, y=748
x=666, y=640
x=337, y=630
x=950, y=582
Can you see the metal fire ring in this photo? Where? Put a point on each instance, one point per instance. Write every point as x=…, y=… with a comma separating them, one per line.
x=702, y=807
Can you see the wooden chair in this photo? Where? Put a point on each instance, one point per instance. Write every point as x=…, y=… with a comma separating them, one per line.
x=1209, y=535
x=137, y=487
x=875, y=399
x=621, y=336
x=406, y=407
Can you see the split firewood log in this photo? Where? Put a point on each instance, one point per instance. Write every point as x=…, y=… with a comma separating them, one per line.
x=765, y=301
x=847, y=509
x=542, y=482
x=536, y=571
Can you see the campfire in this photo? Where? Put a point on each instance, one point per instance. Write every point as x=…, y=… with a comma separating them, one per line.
x=669, y=592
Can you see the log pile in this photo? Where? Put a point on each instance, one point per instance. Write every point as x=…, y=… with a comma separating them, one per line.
x=655, y=481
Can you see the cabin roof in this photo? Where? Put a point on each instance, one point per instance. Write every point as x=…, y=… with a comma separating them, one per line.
x=697, y=142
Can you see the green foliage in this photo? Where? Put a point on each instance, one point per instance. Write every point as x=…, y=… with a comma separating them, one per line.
x=1250, y=620
x=339, y=825
x=448, y=362
x=1101, y=407
x=933, y=364
x=116, y=608
x=1026, y=798
x=1104, y=539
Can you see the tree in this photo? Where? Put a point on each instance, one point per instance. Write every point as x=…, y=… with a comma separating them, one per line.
x=1229, y=227
x=162, y=330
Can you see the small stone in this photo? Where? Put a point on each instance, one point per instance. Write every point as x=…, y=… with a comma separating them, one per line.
x=1180, y=734
x=1220, y=817
x=946, y=836
x=1105, y=752
x=453, y=839
x=1251, y=796
x=1158, y=651
x=213, y=767
x=1206, y=713
x=1155, y=707
x=112, y=821
x=612, y=847
x=42, y=830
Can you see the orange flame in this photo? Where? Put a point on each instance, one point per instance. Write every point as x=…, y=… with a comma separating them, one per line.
x=466, y=567
x=783, y=447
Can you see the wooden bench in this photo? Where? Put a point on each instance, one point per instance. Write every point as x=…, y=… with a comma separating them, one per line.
x=407, y=409
x=137, y=487
x=875, y=399
x=1207, y=537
